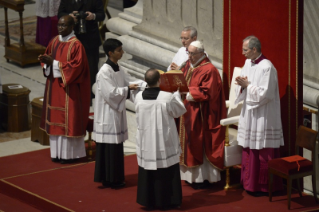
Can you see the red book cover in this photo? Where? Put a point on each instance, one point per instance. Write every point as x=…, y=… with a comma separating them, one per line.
x=173, y=80
x=293, y=158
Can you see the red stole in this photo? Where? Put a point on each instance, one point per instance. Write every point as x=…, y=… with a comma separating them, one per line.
x=199, y=128
x=67, y=99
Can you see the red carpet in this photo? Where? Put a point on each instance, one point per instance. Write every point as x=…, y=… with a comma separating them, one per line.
x=31, y=182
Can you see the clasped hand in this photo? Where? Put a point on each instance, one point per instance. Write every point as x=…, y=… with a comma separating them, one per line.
x=242, y=81
x=47, y=59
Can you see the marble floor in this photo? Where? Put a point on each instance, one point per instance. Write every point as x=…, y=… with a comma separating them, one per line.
x=31, y=77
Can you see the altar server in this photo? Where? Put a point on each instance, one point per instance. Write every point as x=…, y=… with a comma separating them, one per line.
x=158, y=148
x=113, y=87
x=259, y=129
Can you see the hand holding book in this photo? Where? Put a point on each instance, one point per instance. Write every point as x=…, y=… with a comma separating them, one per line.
x=172, y=81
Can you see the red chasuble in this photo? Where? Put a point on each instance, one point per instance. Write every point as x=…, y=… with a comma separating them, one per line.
x=66, y=101
x=199, y=128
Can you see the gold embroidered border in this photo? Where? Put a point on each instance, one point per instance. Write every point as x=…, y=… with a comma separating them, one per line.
x=189, y=75
x=55, y=124
x=47, y=102
x=80, y=136
x=67, y=92
x=211, y=162
x=190, y=72
x=289, y=82
x=57, y=108
x=297, y=14
x=67, y=59
x=182, y=139
x=69, y=50
x=67, y=110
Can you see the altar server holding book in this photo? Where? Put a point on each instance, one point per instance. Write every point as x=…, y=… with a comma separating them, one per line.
x=157, y=145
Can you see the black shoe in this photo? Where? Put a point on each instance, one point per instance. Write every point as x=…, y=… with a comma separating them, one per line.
x=55, y=160
x=257, y=193
x=175, y=206
x=118, y=185
x=65, y=161
x=106, y=184
x=203, y=185
x=164, y=208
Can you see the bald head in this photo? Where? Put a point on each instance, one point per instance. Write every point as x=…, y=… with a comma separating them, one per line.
x=68, y=20
x=152, y=77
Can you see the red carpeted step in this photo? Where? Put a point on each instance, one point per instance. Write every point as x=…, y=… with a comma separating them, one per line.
x=70, y=187
x=11, y=204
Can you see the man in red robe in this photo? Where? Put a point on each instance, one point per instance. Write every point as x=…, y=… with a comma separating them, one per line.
x=67, y=94
x=201, y=135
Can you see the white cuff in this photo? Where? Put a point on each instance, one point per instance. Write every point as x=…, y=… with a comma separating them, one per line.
x=177, y=93
x=189, y=97
x=56, y=70
x=46, y=70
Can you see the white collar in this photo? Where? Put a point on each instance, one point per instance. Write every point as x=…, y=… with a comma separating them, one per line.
x=66, y=38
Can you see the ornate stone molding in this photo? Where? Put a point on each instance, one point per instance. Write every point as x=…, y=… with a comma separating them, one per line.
x=151, y=29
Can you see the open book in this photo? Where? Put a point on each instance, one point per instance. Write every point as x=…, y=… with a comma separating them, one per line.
x=173, y=80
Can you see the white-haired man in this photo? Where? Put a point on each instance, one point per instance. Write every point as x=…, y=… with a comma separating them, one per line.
x=201, y=135
x=188, y=35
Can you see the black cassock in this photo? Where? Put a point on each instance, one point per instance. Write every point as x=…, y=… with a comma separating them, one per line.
x=159, y=188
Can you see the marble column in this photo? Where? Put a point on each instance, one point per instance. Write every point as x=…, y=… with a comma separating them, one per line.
x=310, y=74
x=151, y=29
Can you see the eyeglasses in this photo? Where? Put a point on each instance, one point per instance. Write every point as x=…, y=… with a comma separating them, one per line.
x=192, y=53
x=181, y=38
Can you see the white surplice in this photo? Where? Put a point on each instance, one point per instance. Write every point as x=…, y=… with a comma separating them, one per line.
x=200, y=173
x=157, y=140
x=260, y=120
x=110, y=124
x=67, y=148
x=180, y=57
x=47, y=8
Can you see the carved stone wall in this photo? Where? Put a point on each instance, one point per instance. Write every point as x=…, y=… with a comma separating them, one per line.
x=151, y=29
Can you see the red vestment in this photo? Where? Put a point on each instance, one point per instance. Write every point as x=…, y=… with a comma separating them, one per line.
x=66, y=101
x=199, y=127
